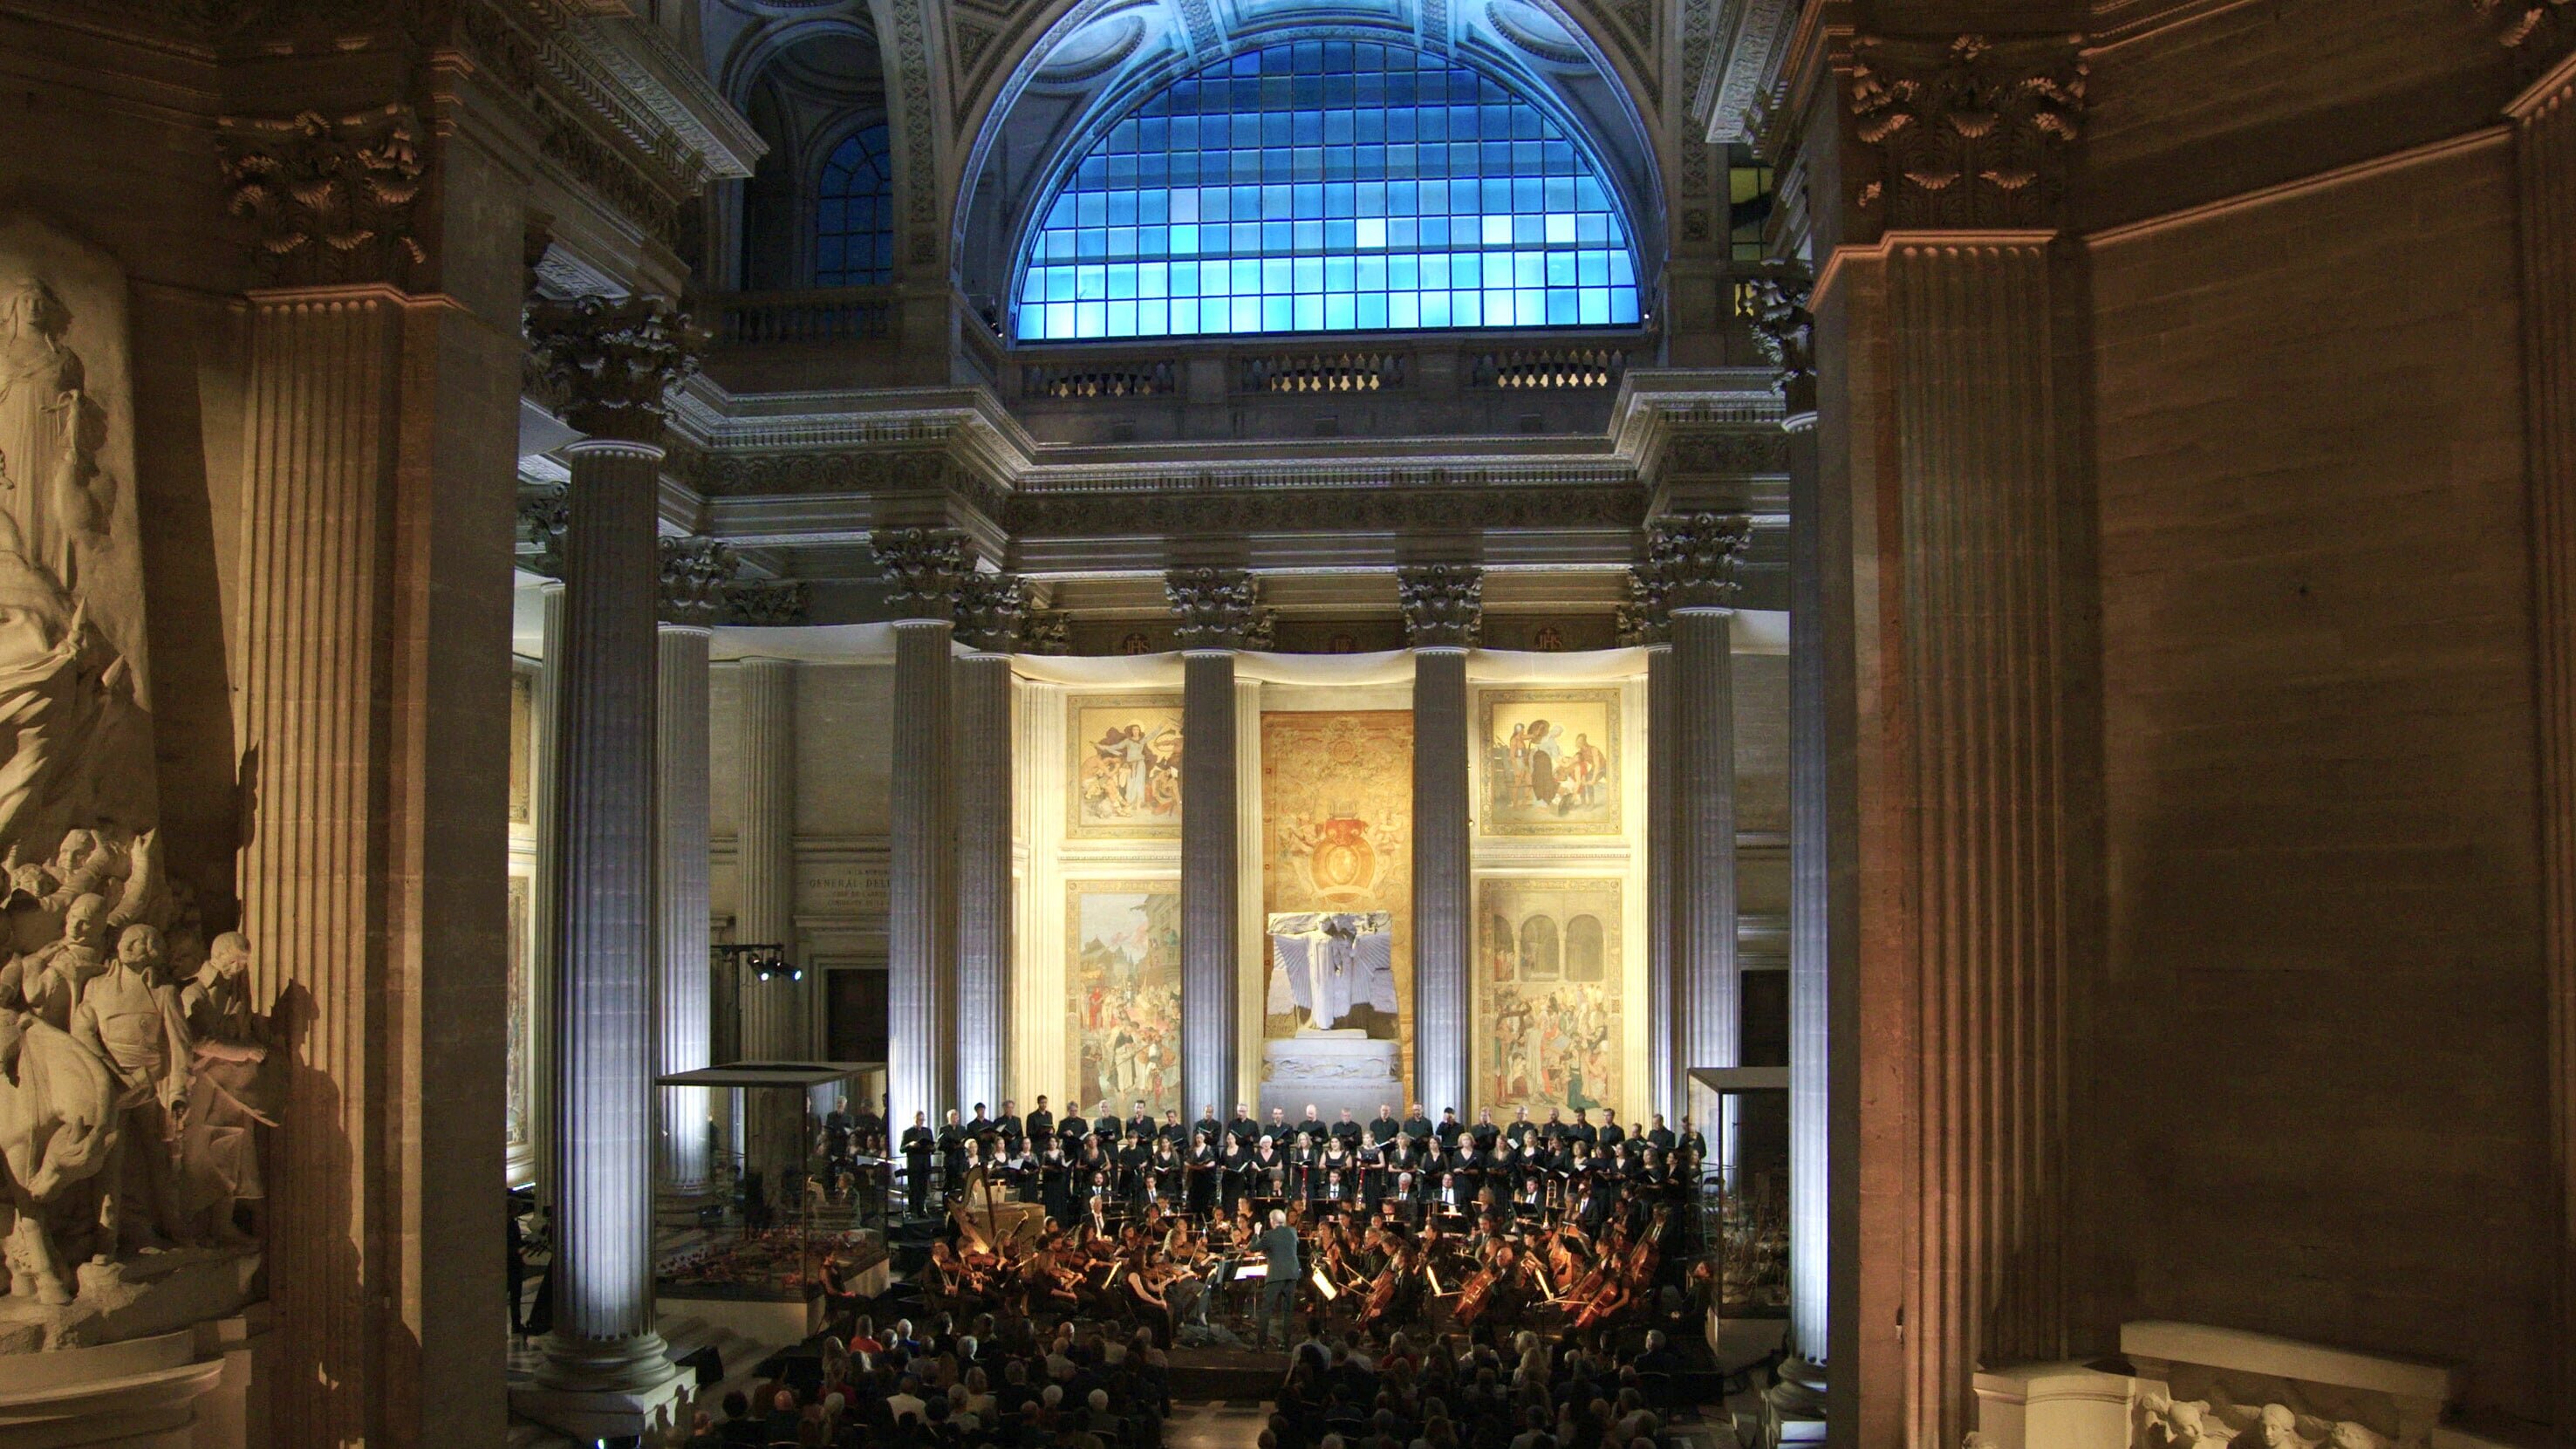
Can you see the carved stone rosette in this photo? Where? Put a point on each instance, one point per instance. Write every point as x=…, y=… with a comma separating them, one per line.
x=329, y=201
x=1696, y=557
x=695, y=573
x=611, y=362
x=928, y=568
x=1218, y=608
x=1444, y=605
x=1786, y=332
x=990, y=610
x=1968, y=132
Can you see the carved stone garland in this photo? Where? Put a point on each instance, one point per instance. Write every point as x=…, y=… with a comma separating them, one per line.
x=1443, y=604
x=1965, y=133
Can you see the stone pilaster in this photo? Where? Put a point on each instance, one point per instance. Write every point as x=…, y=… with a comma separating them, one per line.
x=927, y=568
x=543, y=904
x=612, y=361
x=1443, y=618
x=988, y=617
x=1696, y=557
x=1217, y=610
x=2545, y=171
x=1647, y=621
x=693, y=574
x=1797, y=1405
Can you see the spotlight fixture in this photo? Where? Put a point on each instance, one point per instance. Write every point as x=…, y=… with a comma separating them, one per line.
x=767, y=961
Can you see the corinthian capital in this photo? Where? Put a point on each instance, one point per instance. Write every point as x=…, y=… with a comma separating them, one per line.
x=1786, y=332
x=695, y=573
x=1218, y=608
x=1966, y=132
x=990, y=611
x=1694, y=558
x=1444, y=604
x=611, y=362
x=927, y=566
x=1647, y=617
x=329, y=199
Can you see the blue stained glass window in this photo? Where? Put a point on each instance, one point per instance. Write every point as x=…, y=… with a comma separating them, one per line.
x=1326, y=186
x=854, y=213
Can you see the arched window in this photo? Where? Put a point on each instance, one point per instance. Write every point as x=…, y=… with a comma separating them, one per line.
x=1539, y=960
x=1325, y=186
x=1583, y=949
x=854, y=213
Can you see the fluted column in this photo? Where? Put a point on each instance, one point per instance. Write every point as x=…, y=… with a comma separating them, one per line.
x=1647, y=621
x=774, y=1013
x=615, y=359
x=989, y=617
x=1697, y=556
x=1217, y=608
x=1443, y=618
x=2545, y=172
x=543, y=903
x=693, y=570
x=927, y=567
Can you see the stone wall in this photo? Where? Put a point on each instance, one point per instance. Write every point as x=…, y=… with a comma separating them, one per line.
x=2319, y=1043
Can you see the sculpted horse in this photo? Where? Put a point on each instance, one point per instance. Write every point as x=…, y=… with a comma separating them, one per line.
x=57, y=1129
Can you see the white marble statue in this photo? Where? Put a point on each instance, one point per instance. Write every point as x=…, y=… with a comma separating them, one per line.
x=50, y=428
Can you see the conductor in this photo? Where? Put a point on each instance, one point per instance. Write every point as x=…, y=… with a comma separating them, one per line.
x=1279, y=1280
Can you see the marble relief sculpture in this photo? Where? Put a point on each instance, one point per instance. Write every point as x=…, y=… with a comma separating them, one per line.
x=132, y=1064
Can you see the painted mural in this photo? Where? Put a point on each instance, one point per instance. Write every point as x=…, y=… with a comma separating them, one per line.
x=1549, y=993
x=1337, y=876
x=1125, y=767
x=1550, y=761
x=1123, y=968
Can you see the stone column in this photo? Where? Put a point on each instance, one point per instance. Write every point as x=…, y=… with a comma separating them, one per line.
x=774, y=1015
x=1443, y=618
x=989, y=618
x=1217, y=610
x=693, y=574
x=1797, y=1404
x=926, y=567
x=614, y=360
x=1696, y=556
x=542, y=903
x=1647, y=621
x=2545, y=172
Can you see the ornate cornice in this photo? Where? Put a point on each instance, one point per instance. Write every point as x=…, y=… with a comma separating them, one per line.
x=926, y=566
x=329, y=199
x=1694, y=561
x=872, y=470
x=1967, y=132
x=1786, y=332
x=990, y=610
x=1218, y=608
x=612, y=362
x=1198, y=512
x=1443, y=604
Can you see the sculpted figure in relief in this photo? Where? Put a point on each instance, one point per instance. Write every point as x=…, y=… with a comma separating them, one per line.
x=231, y=1095
x=130, y=1017
x=49, y=429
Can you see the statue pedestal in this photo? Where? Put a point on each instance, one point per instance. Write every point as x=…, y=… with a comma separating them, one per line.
x=590, y=1417
x=1330, y=1070
x=195, y=1388
x=136, y=1297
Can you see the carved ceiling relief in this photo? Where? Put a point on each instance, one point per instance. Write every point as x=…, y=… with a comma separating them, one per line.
x=1966, y=132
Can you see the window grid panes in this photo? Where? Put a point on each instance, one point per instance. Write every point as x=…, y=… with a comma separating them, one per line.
x=854, y=213
x=1327, y=186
